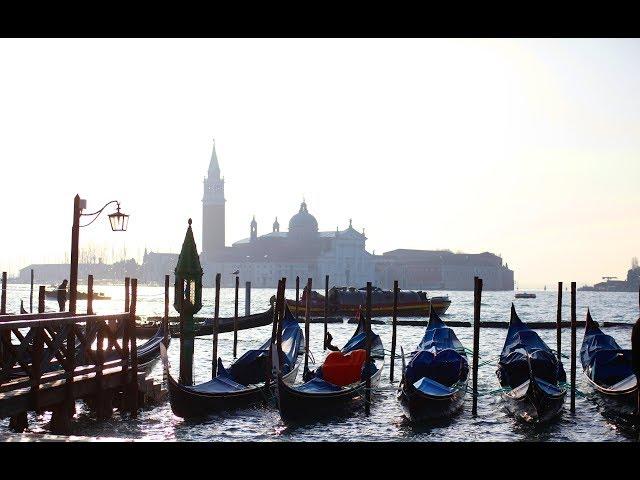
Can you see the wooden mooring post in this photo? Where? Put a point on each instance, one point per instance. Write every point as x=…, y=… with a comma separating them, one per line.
x=297, y=296
x=635, y=357
x=394, y=323
x=133, y=386
x=477, y=300
x=90, y=295
x=274, y=328
x=214, y=343
x=166, y=310
x=367, y=329
x=326, y=307
x=31, y=294
x=573, y=347
x=41, y=299
x=235, y=319
x=306, y=326
x=127, y=302
x=559, y=323
x=3, y=294
x=3, y=311
x=247, y=299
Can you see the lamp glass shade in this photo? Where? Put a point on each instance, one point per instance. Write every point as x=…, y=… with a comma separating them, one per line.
x=119, y=221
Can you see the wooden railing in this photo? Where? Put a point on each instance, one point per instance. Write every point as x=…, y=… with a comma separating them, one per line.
x=69, y=348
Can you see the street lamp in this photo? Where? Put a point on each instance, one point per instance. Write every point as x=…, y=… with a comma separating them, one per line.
x=119, y=222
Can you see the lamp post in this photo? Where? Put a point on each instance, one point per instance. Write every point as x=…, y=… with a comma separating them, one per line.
x=119, y=222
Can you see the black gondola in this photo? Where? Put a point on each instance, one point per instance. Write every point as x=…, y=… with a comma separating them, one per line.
x=531, y=373
x=240, y=385
x=149, y=351
x=318, y=397
x=206, y=328
x=434, y=382
x=608, y=369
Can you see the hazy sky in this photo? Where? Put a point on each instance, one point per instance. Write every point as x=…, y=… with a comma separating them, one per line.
x=525, y=148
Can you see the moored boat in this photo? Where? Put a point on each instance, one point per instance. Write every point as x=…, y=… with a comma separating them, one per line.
x=205, y=327
x=337, y=385
x=608, y=369
x=53, y=295
x=434, y=382
x=348, y=300
x=531, y=374
x=525, y=295
x=243, y=383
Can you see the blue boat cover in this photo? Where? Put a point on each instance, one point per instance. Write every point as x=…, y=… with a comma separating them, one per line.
x=440, y=360
x=358, y=341
x=602, y=359
x=318, y=385
x=525, y=355
x=221, y=384
x=433, y=388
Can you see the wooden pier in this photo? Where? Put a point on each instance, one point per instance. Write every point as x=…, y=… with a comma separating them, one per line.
x=50, y=360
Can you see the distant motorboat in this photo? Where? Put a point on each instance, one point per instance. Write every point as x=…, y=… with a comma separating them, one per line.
x=53, y=295
x=525, y=295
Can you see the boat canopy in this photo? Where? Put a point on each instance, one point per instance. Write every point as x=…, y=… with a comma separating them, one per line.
x=251, y=367
x=525, y=355
x=602, y=359
x=439, y=358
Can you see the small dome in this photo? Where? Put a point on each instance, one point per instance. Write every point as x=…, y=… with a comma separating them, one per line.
x=303, y=221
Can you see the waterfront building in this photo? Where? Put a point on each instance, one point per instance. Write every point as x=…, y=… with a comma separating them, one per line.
x=442, y=270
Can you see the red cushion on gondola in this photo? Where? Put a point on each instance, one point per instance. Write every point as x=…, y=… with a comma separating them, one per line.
x=341, y=369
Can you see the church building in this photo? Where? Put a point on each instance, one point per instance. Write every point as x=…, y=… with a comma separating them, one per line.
x=303, y=250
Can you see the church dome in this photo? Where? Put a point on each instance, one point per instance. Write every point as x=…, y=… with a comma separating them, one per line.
x=303, y=222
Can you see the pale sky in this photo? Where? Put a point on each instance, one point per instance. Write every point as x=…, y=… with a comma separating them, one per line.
x=525, y=148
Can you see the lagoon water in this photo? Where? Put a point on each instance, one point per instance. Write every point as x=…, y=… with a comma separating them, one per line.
x=386, y=422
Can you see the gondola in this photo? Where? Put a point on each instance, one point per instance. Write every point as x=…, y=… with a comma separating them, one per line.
x=608, y=369
x=243, y=383
x=337, y=385
x=531, y=373
x=206, y=328
x=149, y=351
x=434, y=382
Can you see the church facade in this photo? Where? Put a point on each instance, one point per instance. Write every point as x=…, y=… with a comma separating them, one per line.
x=302, y=251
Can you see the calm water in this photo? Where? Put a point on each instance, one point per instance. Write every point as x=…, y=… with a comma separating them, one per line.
x=386, y=421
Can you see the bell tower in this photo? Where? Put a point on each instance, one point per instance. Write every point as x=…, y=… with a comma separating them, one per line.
x=213, y=236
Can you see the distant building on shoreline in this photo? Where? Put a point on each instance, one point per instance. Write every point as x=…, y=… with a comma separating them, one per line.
x=442, y=270
x=54, y=273
x=631, y=284
x=303, y=250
